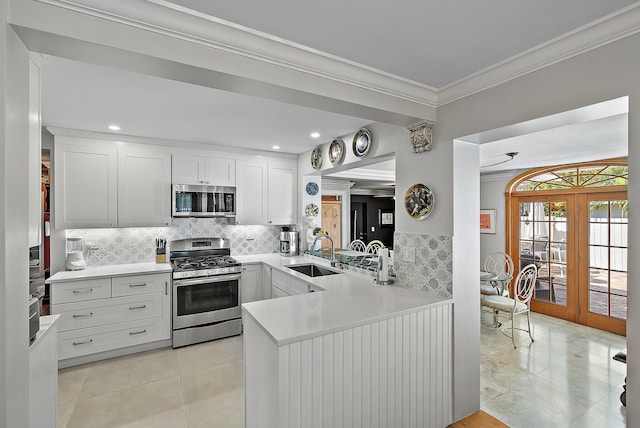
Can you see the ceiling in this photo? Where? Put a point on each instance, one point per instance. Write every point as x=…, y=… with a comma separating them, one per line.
x=431, y=42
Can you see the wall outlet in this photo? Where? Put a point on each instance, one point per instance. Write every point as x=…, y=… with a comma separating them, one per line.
x=409, y=255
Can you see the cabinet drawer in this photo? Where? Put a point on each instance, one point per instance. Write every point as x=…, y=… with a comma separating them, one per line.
x=137, y=284
x=107, y=311
x=98, y=339
x=77, y=291
x=280, y=280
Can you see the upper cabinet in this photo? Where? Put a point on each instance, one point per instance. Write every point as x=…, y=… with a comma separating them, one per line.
x=97, y=185
x=144, y=189
x=210, y=171
x=281, y=190
x=85, y=184
x=251, y=193
x=35, y=153
x=266, y=192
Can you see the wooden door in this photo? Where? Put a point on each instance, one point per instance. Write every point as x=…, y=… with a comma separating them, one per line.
x=603, y=261
x=332, y=222
x=546, y=230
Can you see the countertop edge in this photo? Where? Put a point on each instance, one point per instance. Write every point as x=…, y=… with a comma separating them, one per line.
x=46, y=322
x=109, y=271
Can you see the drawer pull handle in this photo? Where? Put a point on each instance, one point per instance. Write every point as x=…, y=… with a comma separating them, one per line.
x=142, y=284
x=87, y=291
x=89, y=315
x=83, y=343
x=133, y=333
x=133, y=308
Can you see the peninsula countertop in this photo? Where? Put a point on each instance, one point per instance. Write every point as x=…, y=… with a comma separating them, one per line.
x=349, y=299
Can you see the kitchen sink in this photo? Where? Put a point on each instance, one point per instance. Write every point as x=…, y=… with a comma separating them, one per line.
x=313, y=270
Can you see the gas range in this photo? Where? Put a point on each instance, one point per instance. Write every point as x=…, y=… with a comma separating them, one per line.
x=193, y=258
x=206, y=290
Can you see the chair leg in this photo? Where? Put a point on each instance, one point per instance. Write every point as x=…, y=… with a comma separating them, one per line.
x=529, y=325
x=513, y=333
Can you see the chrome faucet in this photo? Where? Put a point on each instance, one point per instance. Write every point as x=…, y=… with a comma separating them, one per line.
x=334, y=262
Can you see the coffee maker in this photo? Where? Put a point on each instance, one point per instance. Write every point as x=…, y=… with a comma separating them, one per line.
x=289, y=242
x=75, y=254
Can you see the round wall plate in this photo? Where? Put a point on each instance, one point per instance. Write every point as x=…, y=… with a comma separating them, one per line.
x=361, y=142
x=336, y=151
x=311, y=210
x=316, y=158
x=419, y=201
x=312, y=188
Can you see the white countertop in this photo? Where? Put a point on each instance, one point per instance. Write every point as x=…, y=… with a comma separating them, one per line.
x=46, y=322
x=350, y=299
x=109, y=271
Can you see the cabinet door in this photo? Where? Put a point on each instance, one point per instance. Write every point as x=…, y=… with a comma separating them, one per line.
x=276, y=292
x=251, y=193
x=220, y=172
x=35, y=153
x=85, y=180
x=266, y=282
x=281, y=199
x=251, y=283
x=144, y=189
x=187, y=169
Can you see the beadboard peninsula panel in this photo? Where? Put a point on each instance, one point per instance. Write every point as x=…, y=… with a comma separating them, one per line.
x=395, y=372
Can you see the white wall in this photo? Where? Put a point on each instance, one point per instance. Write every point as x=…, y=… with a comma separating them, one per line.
x=492, y=187
x=605, y=73
x=14, y=277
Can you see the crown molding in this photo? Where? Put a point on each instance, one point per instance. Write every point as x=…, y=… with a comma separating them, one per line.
x=162, y=17
x=608, y=29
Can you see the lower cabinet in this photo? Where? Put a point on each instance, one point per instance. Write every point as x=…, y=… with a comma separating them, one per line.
x=104, y=314
x=287, y=285
x=251, y=284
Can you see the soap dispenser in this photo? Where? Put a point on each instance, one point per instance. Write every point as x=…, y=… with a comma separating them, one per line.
x=383, y=266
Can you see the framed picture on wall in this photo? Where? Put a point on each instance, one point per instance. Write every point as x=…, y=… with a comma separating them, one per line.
x=385, y=218
x=487, y=220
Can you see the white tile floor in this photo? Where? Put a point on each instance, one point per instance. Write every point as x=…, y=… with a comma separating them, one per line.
x=195, y=386
x=566, y=378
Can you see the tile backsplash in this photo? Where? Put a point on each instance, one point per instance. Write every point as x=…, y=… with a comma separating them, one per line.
x=137, y=245
x=432, y=268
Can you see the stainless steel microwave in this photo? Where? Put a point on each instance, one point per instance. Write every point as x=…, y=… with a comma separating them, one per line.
x=203, y=201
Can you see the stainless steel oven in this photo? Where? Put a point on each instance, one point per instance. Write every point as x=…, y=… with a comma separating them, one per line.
x=206, y=291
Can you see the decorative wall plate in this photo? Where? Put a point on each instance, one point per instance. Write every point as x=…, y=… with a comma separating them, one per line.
x=316, y=158
x=312, y=188
x=419, y=201
x=311, y=210
x=336, y=151
x=361, y=142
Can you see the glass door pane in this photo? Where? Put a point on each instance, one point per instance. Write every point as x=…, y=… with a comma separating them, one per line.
x=543, y=241
x=608, y=221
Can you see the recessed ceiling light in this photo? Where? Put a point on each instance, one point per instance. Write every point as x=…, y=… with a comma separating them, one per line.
x=114, y=127
x=276, y=147
x=315, y=135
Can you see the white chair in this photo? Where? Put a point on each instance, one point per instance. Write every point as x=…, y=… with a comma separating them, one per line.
x=357, y=245
x=520, y=304
x=374, y=246
x=501, y=265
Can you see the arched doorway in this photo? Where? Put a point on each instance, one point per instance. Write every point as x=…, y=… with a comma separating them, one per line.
x=571, y=221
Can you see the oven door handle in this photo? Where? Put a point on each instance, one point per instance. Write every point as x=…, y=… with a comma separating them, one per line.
x=206, y=280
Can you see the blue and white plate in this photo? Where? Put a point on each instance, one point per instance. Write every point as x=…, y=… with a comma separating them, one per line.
x=312, y=188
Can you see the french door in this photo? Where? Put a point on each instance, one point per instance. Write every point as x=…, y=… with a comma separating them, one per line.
x=578, y=241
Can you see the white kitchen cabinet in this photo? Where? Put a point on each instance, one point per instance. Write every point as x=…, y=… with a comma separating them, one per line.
x=144, y=189
x=281, y=190
x=251, y=285
x=276, y=292
x=266, y=192
x=251, y=193
x=43, y=375
x=104, y=314
x=212, y=171
x=35, y=154
x=86, y=180
x=266, y=282
x=288, y=284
